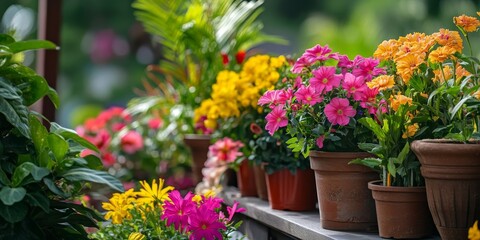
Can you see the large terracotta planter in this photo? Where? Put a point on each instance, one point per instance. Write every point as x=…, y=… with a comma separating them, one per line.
x=198, y=145
x=294, y=192
x=345, y=202
x=246, y=180
x=452, y=180
x=402, y=212
x=260, y=182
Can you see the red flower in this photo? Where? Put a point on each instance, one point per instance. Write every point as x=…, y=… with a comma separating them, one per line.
x=131, y=142
x=240, y=56
x=225, y=58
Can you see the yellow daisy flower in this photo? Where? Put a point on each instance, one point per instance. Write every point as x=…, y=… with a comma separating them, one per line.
x=153, y=195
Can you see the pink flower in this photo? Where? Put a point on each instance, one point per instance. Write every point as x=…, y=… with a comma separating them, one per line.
x=205, y=224
x=319, y=53
x=131, y=142
x=369, y=100
x=224, y=150
x=325, y=79
x=298, y=83
x=307, y=95
x=366, y=68
x=234, y=209
x=155, y=123
x=299, y=65
x=354, y=86
x=339, y=111
x=319, y=141
x=276, y=119
x=344, y=63
x=178, y=209
x=108, y=159
x=270, y=97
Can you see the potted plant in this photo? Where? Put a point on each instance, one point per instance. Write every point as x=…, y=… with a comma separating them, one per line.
x=199, y=39
x=327, y=97
x=41, y=171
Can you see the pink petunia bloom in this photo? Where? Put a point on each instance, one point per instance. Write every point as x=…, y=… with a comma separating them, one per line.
x=325, y=79
x=270, y=97
x=369, y=100
x=108, y=159
x=298, y=83
x=354, y=86
x=234, y=209
x=178, y=209
x=101, y=140
x=299, y=65
x=131, y=142
x=205, y=224
x=223, y=151
x=319, y=141
x=155, y=123
x=276, y=119
x=344, y=63
x=339, y=111
x=285, y=96
x=319, y=53
x=366, y=68
x=307, y=95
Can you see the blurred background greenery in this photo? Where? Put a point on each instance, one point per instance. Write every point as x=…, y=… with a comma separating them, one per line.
x=104, y=50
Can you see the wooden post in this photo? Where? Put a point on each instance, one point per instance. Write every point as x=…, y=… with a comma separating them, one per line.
x=49, y=22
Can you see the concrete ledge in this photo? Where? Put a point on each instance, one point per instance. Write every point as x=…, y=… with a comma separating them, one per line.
x=295, y=225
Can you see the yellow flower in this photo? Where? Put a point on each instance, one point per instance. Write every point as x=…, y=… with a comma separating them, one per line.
x=136, y=236
x=119, y=205
x=449, y=38
x=441, y=54
x=474, y=232
x=386, y=50
x=411, y=130
x=382, y=82
x=408, y=64
x=154, y=195
x=399, y=99
x=467, y=23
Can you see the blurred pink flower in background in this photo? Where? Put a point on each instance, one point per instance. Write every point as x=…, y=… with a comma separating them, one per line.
x=131, y=142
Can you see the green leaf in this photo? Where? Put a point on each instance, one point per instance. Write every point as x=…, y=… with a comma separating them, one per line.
x=27, y=168
x=14, y=213
x=373, y=163
x=368, y=147
x=292, y=140
x=3, y=178
x=58, y=145
x=39, y=134
x=51, y=185
x=457, y=107
x=70, y=134
x=403, y=154
x=371, y=124
x=40, y=200
x=12, y=107
x=6, y=39
x=9, y=196
x=21, y=46
x=32, y=86
x=391, y=167
x=86, y=174
x=52, y=94
x=456, y=136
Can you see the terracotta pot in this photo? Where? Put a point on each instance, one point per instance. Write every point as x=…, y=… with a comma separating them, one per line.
x=198, y=145
x=345, y=202
x=295, y=192
x=246, y=180
x=402, y=212
x=452, y=180
x=260, y=182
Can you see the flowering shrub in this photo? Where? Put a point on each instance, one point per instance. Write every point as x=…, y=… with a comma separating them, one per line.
x=326, y=97
x=134, y=146
x=158, y=212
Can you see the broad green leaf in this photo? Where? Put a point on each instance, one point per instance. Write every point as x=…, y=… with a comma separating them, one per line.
x=58, y=145
x=86, y=174
x=391, y=167
x=456, y=136
x=6, y=39
x=374, y=127
x=368, y=147
x=403, y=154
x=292, y=140
x=52, y=94
x=21, y=46
x=457, y=107
x=11, y=105
x=51, y=185
x=39, y=134
x=27, y=168
x=3, y=178
x=373, y=163
x=40, y=200
x=9, y=196
x=14, y=213
x=32, y=85
x=68, y=134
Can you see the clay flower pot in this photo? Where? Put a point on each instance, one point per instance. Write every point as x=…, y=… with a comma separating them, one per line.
x=345, y=202
x=452, y=180
x=260, y=182
x=402, y=212
x=294, y=192
x=246, y=180
x=198, y=144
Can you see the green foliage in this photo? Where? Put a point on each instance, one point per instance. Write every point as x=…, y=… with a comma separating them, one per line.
x=40, y=169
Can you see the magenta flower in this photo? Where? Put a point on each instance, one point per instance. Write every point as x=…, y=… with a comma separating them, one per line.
x=325, y=79
x=354, y=86
x=307, y=95
x=369, y=100
x=276, y=119
x=205, y=224
x=225, y=150
x=271, y=97
x=131, y=142
x=319, y=141
x=212, y=203
x=344, y=63
x=366, y=68
x=319, y=53
x=178, y=210
x=299, y=65
x=339, y=111
x=234, y=209
x=285, y=96
x=155, y=123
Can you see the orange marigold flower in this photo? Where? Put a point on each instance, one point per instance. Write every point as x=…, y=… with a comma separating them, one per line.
x=461, y=72
x=397, y=100
x=476, y=94
x=382, y=82
x=442, y=75
x=449, y=38
x=386, y=50
x=441, y=54
x=408, y=64
x=424, y=95
x=467, y=23
x=411, y=130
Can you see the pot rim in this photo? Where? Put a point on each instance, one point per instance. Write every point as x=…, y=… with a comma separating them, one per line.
x=447, y=141
x=317, y=153
x=375, y=185
x=196, y=136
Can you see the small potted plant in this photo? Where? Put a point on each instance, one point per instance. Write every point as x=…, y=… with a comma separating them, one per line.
x=327, y=97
